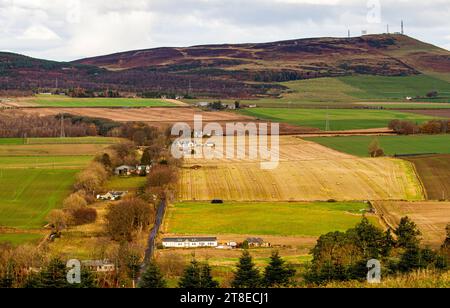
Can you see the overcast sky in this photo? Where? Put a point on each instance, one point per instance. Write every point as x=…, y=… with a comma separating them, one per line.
x=73, y=29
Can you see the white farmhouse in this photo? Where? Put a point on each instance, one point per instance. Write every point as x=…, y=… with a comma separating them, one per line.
x=189, y=242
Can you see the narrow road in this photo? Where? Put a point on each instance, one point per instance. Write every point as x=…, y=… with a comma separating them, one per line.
x=151, y=244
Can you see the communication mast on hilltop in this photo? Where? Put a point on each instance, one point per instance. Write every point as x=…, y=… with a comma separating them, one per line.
x=403, y=28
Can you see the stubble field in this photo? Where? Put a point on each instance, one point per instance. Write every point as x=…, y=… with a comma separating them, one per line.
x=306, y=172
x=430, y=217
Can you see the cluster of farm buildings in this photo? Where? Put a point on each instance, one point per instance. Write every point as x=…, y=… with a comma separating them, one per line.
x=211, y=242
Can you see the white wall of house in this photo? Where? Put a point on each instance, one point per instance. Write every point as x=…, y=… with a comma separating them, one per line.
x=189, y=244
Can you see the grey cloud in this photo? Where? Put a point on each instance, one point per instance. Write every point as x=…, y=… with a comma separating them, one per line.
x=118, y=25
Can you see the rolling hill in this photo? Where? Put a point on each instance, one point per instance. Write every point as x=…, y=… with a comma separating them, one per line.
x=235, y=71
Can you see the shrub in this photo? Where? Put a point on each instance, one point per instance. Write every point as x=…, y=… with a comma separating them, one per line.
x=127, y=217
x=84, y=216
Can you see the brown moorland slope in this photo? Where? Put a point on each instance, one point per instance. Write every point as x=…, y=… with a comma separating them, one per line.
x=387, y=55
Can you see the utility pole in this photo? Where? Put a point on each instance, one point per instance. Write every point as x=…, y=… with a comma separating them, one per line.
x=62, y=126
x=190, y=88
x=403, y=28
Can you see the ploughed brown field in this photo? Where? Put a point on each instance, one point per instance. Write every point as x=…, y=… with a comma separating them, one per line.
x=438, y=113
x=430, y=217
x=434, y=171
x=163, y=117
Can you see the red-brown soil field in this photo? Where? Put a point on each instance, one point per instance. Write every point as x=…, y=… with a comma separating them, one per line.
x=434, y=172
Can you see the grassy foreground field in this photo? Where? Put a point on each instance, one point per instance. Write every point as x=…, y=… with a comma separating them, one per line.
x=282, y=219
x=339, y=119
x=358, y=145
x=64, y=101
x=434, y=172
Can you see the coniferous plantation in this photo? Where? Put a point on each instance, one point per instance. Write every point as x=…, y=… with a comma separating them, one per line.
x=212, y=153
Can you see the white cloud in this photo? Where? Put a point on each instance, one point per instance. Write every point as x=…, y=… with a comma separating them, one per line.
x=38, y=32
x=73, y=29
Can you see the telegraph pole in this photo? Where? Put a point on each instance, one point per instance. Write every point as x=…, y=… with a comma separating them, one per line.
x=62, y=126
x=327, y=125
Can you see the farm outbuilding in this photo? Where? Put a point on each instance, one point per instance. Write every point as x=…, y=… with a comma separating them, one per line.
x=124, y=170
x=112, y=195
x=254, y=242
x=189, y=242
x=100, y=266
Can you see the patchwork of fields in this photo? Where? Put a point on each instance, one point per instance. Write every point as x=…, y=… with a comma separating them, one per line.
x=338, y=119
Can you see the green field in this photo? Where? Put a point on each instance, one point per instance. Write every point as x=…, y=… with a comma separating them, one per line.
x=28, y=195
x=64, y=101
x=20, y=238
x=32, y=185
x=364, y=88
x=395, y=88
x=346, y=91
x=339, y=119
x=126, y=183
x=279, y=219
x=44, y=162
x=75, y=140
x=358, y=145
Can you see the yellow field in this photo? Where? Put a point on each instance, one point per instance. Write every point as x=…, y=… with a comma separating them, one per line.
x=306, y=172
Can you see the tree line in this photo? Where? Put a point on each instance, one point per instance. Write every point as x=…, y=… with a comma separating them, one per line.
x=432, y=127
x=18, y=124
x=343, y=256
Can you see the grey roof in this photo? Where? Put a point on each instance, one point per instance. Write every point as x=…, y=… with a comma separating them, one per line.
x=255, y=240
x=189, y=239
x=96, y=263
x=125, y=167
